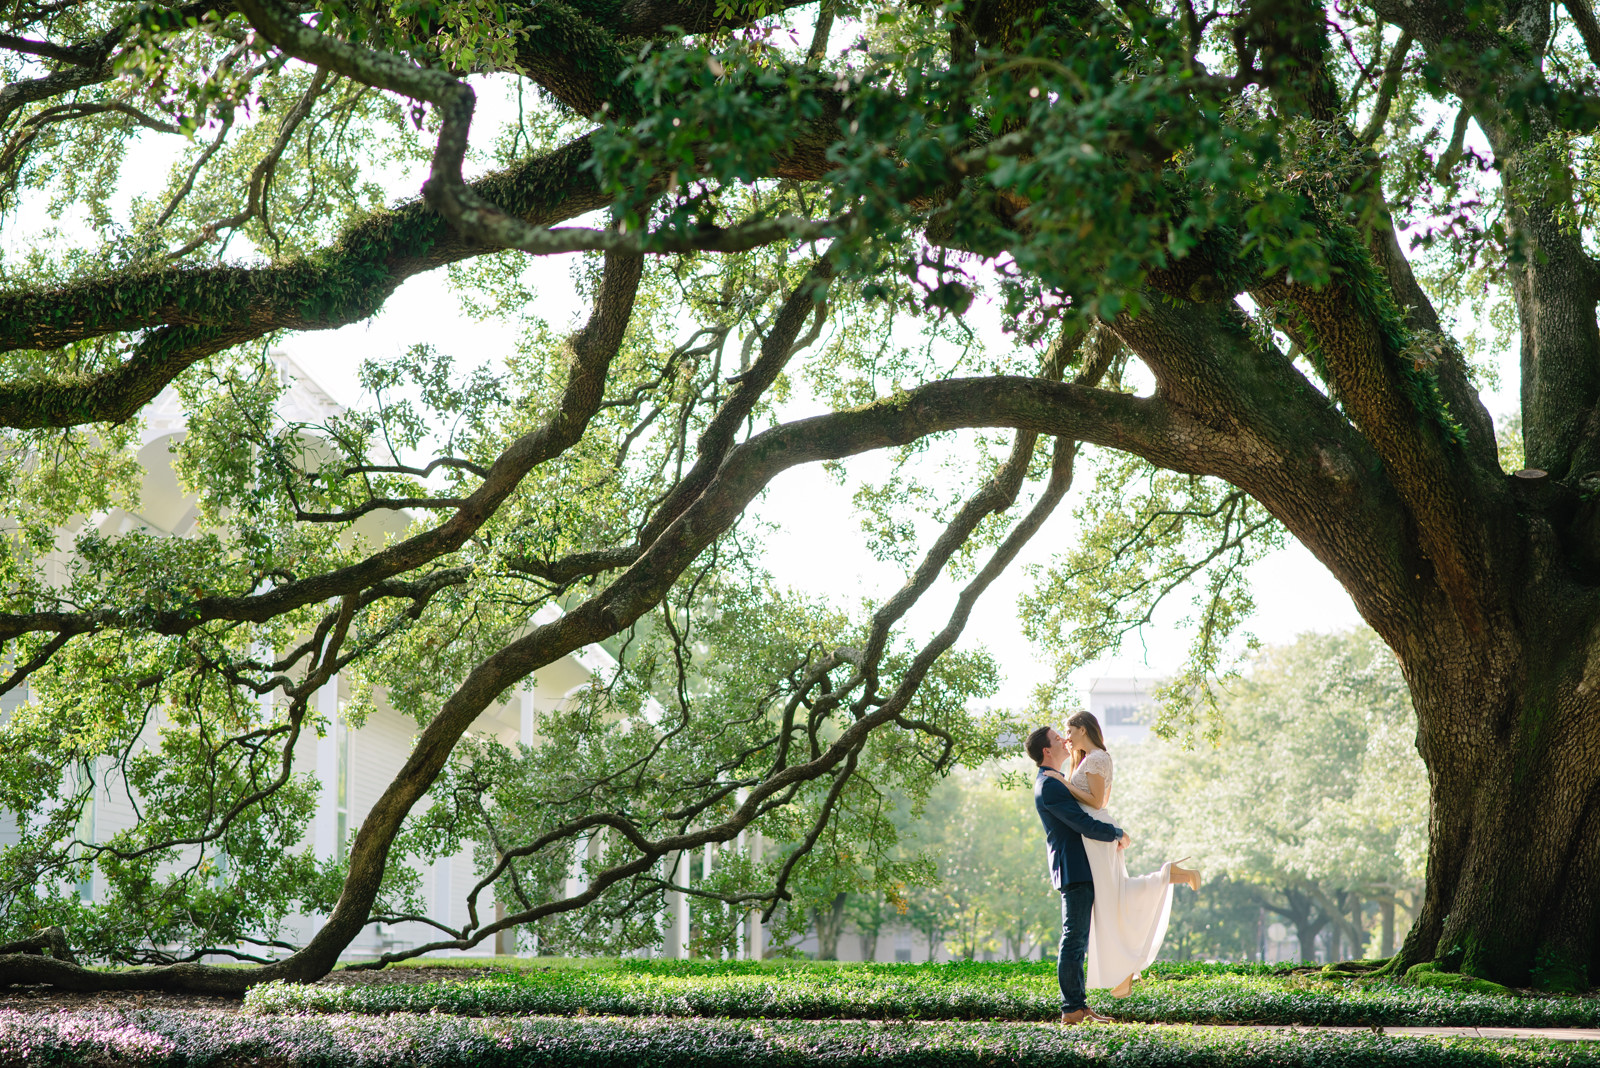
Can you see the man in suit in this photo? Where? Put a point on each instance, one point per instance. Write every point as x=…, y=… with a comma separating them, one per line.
x=1065, y=827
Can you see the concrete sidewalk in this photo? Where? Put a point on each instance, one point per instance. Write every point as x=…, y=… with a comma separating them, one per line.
x=1555, y=1034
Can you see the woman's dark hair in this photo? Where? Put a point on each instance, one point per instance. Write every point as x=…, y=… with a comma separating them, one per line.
x=1038, y=741
x=1086, y=720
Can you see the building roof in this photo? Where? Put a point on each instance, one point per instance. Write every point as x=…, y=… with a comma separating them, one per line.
x=1126, y=684
x=303, y=401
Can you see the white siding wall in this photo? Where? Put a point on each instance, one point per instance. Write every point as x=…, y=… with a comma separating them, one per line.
x=896, y=943
x=378, y=749
x=9, y=834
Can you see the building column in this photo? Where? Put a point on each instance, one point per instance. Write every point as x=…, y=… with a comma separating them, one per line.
x=325, y=821
x=755, y=936
x=677, y=946
x=577, y=877
x=740, y=950
x=528, y=717
x=505, y=942
x=325, y=827
x=441, y=890
x=525, y=706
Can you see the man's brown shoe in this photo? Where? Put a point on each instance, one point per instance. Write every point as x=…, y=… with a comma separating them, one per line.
x=1078, y=1017
x=1096, y=1017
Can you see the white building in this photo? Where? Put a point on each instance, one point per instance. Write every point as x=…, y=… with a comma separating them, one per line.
x=353, y=766
x=1125, y=707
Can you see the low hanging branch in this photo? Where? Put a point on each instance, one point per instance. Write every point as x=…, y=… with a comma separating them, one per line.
x=839, y=759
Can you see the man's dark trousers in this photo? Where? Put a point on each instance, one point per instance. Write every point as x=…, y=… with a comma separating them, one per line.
x=1066, y=825
x=1077, y=906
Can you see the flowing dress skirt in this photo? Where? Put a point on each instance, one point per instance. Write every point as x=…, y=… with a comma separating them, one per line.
x=1130, y=913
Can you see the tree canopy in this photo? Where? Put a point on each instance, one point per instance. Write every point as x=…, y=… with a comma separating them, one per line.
x=1227, y=243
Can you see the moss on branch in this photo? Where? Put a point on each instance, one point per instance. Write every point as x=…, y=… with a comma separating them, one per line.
x=206, y=309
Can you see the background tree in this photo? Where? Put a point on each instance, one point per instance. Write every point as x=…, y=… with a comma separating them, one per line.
x=1223, y=923
x=992, y=868
x=928, y=912
x=968, y=871
x=1215, y=193
x=1312, y=797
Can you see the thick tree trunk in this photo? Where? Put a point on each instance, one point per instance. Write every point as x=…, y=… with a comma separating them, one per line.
x=1308, y=941
x=1514, y=769
x=1386, y=942
x=829, y=922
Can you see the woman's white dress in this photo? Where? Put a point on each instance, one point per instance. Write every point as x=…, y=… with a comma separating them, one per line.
x=1130, y=911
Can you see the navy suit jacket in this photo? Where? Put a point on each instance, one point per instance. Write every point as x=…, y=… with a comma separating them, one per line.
x=1066, y=825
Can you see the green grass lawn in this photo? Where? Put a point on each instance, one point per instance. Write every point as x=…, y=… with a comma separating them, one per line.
x=1170, y=993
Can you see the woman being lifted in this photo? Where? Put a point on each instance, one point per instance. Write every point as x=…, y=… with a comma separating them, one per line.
x=1130, y=911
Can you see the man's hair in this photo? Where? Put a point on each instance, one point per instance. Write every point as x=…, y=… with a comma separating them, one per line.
x=1038, y=741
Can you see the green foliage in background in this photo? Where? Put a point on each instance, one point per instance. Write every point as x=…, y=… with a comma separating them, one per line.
x=1310, y=809
x=1311, y=800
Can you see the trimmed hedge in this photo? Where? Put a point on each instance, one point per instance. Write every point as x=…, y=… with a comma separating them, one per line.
x=947, y=970
x=936, y=993
x=158, y=1039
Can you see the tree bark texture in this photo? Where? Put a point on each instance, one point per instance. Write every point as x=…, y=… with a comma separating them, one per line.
x=1514, y=766
x=1498, y=644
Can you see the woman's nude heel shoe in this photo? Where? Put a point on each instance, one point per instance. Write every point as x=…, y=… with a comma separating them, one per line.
x=1123, y=989
x=1188, y=876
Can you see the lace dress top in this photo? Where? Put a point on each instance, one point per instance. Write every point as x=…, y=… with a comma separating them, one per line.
x=1096, y=763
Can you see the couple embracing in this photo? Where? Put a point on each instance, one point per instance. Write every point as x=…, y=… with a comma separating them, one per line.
x=1116, y=919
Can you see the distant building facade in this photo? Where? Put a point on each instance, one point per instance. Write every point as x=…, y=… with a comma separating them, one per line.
x=1125, y=707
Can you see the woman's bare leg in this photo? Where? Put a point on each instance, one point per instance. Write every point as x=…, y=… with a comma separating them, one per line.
x=1187, y=876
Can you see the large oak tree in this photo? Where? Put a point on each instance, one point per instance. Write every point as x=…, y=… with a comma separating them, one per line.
x=1269, y=208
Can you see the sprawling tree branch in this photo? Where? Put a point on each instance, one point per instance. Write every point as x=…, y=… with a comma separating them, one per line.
x=1024, y=403
x=1582, y=12
x=839, y=759
x=1555, y=281
x=195, y=312
x=593, y=349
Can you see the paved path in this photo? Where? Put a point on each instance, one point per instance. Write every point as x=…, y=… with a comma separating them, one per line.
x=1557, y=1034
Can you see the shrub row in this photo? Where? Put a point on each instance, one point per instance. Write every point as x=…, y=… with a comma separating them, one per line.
x=885, y=995
x=157, y=1039
x=945, y=971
